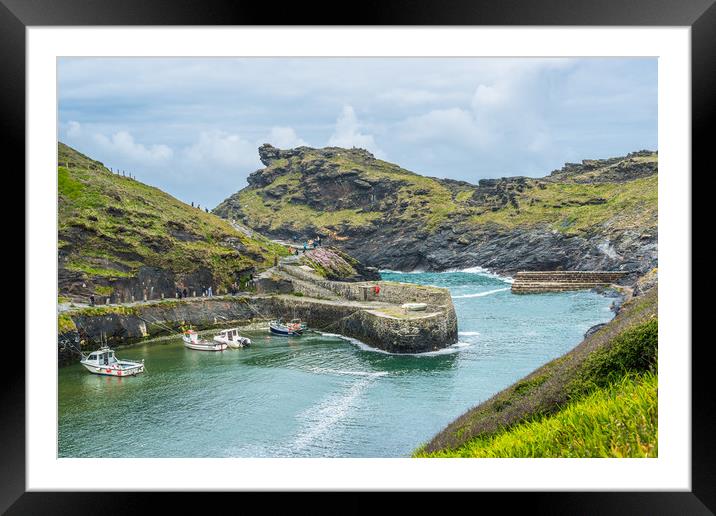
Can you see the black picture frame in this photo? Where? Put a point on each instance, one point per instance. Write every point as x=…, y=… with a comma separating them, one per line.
x=700, y=15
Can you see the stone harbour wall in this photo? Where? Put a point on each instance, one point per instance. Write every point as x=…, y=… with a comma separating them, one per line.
x=124, y=325
x=529, y=282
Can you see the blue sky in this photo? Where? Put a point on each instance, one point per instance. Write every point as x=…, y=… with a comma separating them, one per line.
x=192, y=126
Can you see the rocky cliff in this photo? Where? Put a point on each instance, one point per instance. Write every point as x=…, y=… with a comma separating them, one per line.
x=122, y=240
x=594, y=215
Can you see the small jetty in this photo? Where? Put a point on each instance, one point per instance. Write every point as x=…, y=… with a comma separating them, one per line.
x=532, y=282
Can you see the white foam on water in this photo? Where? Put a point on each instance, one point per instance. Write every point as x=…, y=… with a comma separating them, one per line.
x=345, y=372
x=326, y=334
x=365, y=347
x=469, y=270
x=322, y=418
x=468, y=333
x=484, y=272
x=482, y=294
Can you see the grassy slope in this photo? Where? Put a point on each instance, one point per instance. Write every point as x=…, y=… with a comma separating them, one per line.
x=563, y=204
x=574, y=395
x=283, y=213
x=619, y=420
x=109, y=226
x=626, y=205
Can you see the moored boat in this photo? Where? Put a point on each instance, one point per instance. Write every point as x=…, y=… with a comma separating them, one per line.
x=232, y=338
x=104, y=362
x=193, y=341
x=285, y=329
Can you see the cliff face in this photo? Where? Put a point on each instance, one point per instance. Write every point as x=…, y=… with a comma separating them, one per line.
x=596, y=215
x=119, y=238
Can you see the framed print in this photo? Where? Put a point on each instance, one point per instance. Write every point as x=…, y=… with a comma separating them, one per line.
x=443, y=249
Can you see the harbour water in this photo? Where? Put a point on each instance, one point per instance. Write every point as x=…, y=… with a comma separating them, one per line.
x=320, y=395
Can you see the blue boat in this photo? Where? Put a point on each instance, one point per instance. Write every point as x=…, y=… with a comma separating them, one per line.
x=286, y=329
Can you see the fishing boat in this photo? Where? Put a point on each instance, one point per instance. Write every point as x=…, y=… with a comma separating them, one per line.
x=193, y=341
x=285, y=329
x=232, y=338
x=104, y=362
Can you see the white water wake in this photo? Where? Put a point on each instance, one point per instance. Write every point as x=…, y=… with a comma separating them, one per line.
x=321, y=419
x=482, y=294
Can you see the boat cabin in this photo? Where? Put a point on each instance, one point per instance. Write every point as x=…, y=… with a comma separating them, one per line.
x=191, y=335
x=101, y=357
x=230, y=334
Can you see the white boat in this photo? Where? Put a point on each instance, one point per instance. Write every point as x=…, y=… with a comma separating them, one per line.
x=192, y=341
x=232, y=338
x=415, y=307
x=105, y=363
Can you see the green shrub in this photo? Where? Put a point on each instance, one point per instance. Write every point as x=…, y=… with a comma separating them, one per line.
x=634, y=351
x=65, y=323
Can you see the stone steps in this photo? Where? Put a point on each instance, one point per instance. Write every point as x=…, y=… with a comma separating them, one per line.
x=310, y=289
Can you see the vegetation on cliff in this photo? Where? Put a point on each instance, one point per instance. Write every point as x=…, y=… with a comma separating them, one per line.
x=110, y=226
x=391, y=217
x=619, y=420
x=598, y=400
x=333, y=264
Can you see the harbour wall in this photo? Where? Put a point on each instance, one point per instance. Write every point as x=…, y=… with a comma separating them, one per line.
x=120, y=325
x=530, y=282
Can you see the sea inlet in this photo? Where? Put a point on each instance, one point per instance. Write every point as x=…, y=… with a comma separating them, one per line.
x=320, y=395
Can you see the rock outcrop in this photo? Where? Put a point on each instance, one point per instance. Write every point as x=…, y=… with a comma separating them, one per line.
x=597, y=215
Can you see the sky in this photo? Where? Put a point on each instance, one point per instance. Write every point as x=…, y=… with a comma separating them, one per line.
x=192, y=127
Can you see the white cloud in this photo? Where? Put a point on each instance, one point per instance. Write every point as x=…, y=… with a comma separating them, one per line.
x=452, y=125
x=408, y=97
x=222, y=148
x=74, y=130
x=284, y=138
x=492, y=96
x=347, y=133
x=122, y=144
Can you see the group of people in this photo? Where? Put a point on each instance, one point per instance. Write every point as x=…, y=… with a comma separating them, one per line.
x=310, y=244
x=198, y=206
x=205, y=292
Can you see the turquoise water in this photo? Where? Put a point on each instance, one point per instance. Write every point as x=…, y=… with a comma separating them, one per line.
x=320, y=396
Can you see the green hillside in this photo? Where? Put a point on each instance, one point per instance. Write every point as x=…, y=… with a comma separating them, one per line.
x=571, y=200
x=112, y=227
